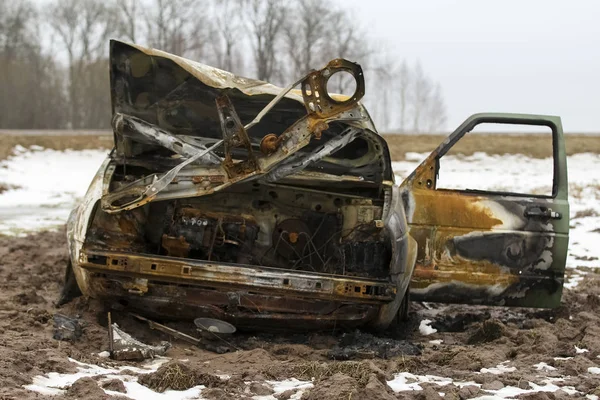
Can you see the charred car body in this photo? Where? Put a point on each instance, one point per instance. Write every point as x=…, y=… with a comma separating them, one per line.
x=234, y=199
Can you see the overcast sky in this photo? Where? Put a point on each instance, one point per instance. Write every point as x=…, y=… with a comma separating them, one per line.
x=528, y=56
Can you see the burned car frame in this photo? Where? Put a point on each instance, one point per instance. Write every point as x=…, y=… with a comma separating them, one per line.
x=231, y=198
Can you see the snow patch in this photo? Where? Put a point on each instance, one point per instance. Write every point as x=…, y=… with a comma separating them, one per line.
x=542, y=366
x=47, y=184
x=499, y=369
x=405, y=381
x=425, y=328
x=53, y=383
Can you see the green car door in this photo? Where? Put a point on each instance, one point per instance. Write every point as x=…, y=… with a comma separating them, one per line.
x=484, y=247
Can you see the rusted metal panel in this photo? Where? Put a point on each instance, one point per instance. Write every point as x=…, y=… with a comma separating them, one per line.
x=484, y=247
x=248, y=277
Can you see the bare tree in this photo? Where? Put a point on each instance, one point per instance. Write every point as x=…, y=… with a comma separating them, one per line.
x=381, y=79
x=429, y=110
x=404, y=89
x=266, y=19
x=344, y=39
x=227, y=35
x=307, y=34
x=178, y=27
x=31, y=84
x=405, y=99
x=15, y=31
x=37, y=91
x=83, y=28
x=436, y=110
x=128, y=17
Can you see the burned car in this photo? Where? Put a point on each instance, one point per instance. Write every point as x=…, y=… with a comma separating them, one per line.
x=231, y=198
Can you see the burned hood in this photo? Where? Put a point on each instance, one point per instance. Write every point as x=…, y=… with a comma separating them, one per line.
x=167, y=108
x=178, y=95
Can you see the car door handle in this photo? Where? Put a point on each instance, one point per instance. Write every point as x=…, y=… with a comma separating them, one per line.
x=542, y=212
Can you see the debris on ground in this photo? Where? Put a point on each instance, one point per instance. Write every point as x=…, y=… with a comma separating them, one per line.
x=360, y=371
x=66, y=328
x=360, y=345
x=128, y=348
x=174, y=376
x=179, y=376
x=487, y=331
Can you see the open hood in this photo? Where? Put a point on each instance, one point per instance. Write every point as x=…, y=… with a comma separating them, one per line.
x=173, y=117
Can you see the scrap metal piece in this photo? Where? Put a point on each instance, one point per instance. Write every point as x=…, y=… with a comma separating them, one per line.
x=173, y=332
x=207, y=345
x=269, y=143
x=234, y=136
x=297, y=164
x=123, y=123
x=145, y=190
x=127, y=348
x=291, y=237
x=212, y=328
x=319, y=101
x=111, y=344
x=272, y=103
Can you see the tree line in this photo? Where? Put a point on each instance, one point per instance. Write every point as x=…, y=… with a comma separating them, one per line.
x=54, y=56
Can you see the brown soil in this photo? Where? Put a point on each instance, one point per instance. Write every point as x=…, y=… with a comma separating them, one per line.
x=87, y=388
x=115, y=385
x=31, y=274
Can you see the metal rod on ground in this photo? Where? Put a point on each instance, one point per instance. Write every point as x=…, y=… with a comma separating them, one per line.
x=110, y=335
x=166, y=329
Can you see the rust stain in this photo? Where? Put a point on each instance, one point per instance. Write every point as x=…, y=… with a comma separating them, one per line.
x=434, y=224
x=126, y=225
x=452, y=209
x=317, y=126
x=269, y=144
x=175, y=246
x=180, y=270
x=481, y=273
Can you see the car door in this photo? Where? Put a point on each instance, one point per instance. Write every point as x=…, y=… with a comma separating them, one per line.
x=489, y=247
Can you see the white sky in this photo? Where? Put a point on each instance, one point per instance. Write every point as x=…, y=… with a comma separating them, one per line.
x=528, y=56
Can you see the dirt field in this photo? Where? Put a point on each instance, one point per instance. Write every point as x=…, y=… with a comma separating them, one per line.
x=468, y=339
x=536, y=146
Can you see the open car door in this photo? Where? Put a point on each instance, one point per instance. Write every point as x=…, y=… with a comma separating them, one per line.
x=483, y=247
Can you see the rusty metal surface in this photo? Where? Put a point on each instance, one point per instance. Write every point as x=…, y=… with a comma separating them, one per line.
x=230, y=276
x=235, y=136
x=245, y=310
x=317, y=98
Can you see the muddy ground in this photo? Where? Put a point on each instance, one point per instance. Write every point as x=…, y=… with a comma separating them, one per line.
x=31, y=274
